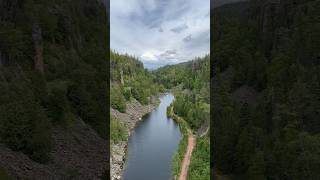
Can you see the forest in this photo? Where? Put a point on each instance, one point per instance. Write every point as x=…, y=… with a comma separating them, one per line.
x=265, y=90
x=53, y=70
x=129, y=80
x=189, y=82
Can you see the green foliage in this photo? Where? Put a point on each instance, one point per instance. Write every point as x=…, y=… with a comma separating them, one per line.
x=200, y=160
x=74, y=82
x=179, y=154
x=117, y=99
x=257, y=166
x=131, y=80
x=192, y=100
x=194, y=113
x=193, y=75
x=190, y=83
x=119, y=130
x=4, y=174
x=24, y=124
x=57, y=102
x=269, y=133
x=225, y=114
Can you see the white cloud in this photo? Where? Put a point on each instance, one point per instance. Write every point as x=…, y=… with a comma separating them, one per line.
x=149, y=56
x=151, y=29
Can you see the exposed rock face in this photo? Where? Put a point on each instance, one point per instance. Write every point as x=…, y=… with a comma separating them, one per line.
x=204, y=129
x=269, y=14
x=21, y=166
x=121, y=75
x=134, y=113
x=38, y=47
x=80, y=150
x=78, y=153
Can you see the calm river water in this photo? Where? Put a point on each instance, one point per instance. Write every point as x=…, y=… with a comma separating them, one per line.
x=152, y=145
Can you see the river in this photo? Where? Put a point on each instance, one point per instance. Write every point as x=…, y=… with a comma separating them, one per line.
x=152, y=145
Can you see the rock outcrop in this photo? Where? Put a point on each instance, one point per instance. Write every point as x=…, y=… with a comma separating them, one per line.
x=38, y=47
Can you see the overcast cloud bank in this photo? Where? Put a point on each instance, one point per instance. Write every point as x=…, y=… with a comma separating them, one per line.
x=160, y=32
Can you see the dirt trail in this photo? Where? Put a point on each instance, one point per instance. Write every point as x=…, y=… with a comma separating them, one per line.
x=187, y=157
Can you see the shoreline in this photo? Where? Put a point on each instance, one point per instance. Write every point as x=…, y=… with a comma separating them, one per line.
x=122, y=147
x=178, y=157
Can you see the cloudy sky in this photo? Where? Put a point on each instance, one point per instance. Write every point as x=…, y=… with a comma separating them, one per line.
x=160, y=32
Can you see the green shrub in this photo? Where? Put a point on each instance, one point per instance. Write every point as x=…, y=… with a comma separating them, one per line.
x=179, y=154
x=4, y=174
x=57, y=103
x=200, y=161
x=119, y=130
x=117, y=99
x=24, y=126
x=127, y=93
x=89, y=104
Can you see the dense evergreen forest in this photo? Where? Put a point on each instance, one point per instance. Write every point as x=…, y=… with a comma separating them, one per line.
x=190, y=83
x=53, y=70
x=266, y=90
x=129, y=81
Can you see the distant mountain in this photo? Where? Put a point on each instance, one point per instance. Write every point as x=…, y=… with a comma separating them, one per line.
x=218, y=3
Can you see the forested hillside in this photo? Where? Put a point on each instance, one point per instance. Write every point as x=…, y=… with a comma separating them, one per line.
x=265, y=87
x=134, y=93
x=53, y=71
x=130, y=80
x=190, y=83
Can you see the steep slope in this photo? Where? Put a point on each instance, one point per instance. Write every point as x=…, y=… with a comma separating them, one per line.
x=130, y=80
x=53, y=69
x=133, y=94
x=190, y=83
x=265, y=87
x=78, y=152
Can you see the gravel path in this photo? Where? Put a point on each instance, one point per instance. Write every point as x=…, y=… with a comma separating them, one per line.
x=187, y=157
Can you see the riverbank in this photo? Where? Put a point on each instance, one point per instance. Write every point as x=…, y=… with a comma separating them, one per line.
x=196, y=166
x=187, y=156
x=134, y=113
x=182, y=149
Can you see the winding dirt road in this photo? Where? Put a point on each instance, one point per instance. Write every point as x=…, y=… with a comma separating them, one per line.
x=187, y=157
